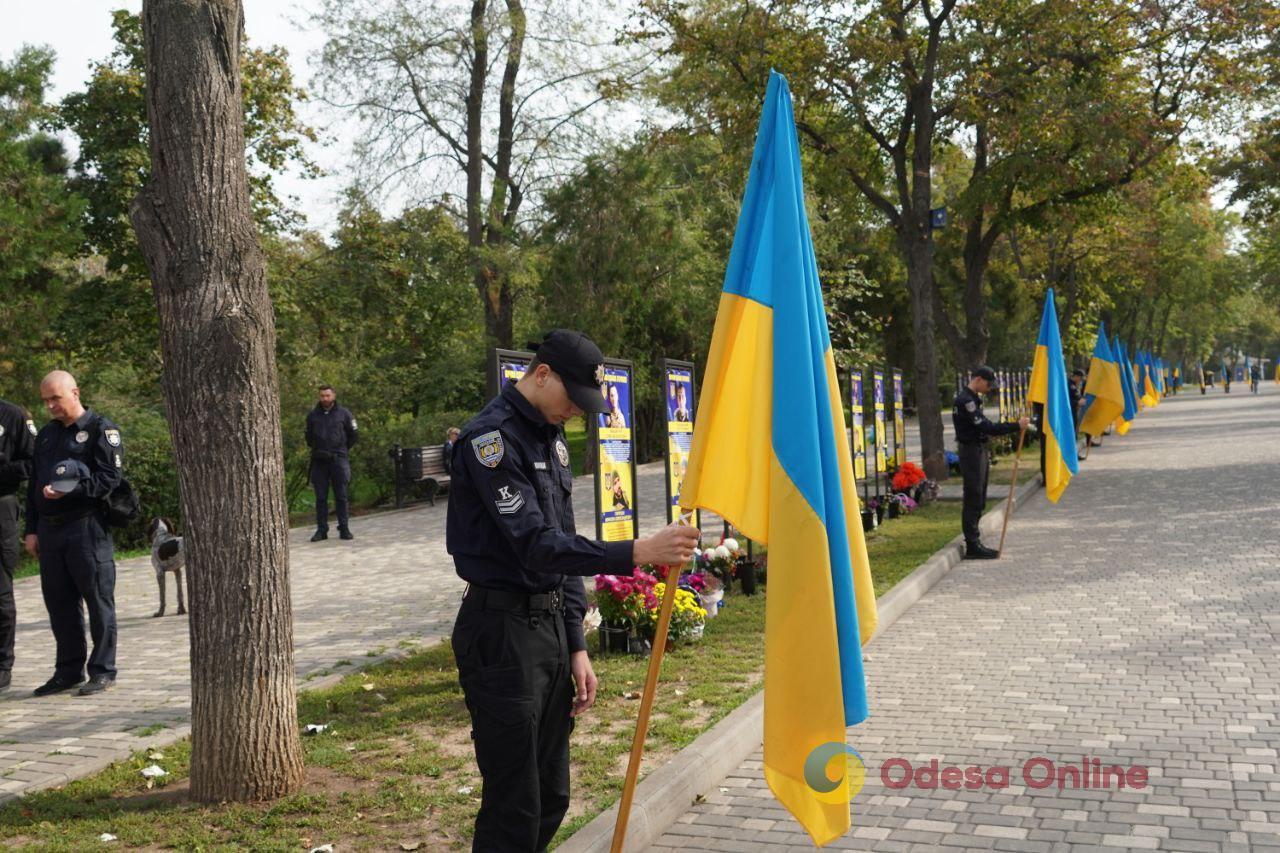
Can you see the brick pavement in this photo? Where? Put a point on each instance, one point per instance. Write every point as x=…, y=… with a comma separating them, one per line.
x=393, y=584
x=1135, y=622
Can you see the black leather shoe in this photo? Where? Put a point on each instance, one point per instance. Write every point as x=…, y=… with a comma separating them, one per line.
x=345, y=534
x=97, y=684
x=320, y=536
x=6, y=678
x=57, y=685
x=978, y=551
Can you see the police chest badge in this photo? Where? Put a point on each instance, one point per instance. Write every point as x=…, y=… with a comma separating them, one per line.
x=562, y=452
x=970, y=407
x=82, y=437
x=489, y=448
x=113, y=437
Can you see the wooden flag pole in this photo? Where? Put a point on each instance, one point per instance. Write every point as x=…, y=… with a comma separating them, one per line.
x=646, y=702
x=1013, y=484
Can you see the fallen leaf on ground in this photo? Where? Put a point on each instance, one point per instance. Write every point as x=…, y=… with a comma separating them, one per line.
x=465, y=789
x=155, y=771
x=631, y=694
x=410, y=845
x=106, y=837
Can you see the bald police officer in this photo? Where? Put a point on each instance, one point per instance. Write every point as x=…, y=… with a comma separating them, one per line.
x=17, y=445
x=79, y=461
x=973, y=431
x=518, y=638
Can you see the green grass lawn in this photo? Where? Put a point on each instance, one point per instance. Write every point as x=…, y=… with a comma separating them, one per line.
x=396, y=767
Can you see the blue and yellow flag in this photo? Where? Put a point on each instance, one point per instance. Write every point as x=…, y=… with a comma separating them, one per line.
x=1103, y=390
x=1150, y=388
x=769, y=455
x=1127, y=385
x=1049, y=387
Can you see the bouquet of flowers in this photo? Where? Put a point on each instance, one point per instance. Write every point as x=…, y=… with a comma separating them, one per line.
x=624, y=601
x=687, y=617
x=720, y=560
x=907, y=476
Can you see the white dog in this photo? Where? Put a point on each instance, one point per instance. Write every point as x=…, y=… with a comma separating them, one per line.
x=167, y=555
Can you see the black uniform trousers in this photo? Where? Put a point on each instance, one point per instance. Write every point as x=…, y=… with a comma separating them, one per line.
x=514, y=668
x=77, y=563
x=9, y=550
x=975, y=464
x=336, y=473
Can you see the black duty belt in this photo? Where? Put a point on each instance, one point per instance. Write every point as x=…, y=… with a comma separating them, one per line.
x=501, y=599
x=67, y=518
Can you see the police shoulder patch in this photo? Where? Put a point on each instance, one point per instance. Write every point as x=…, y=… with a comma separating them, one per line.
x=971, y=406
x=507, y=498
x=489, y=448
x=353, y=424
x=31, y=427
x=1, y=430
x=113, y=437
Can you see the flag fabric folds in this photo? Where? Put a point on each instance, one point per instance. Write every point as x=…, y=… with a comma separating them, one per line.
x=1126, y=385
x=1150, y=384
x=1106, y=400
x=1049, y=387
x=769, y=455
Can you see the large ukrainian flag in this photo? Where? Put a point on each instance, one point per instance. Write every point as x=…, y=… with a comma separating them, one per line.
x=769, y=455
x=1126, y=382
x=1103, y=388
x=1049, y=387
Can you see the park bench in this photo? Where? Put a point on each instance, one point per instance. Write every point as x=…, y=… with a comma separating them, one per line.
x=419, y=469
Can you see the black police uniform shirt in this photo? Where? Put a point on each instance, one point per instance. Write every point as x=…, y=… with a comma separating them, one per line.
x=972, y=426
x=91, y=439
x=510, y=523
x=17, y=447
x=331, y=430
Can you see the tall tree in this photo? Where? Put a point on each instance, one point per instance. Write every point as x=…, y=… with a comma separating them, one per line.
x=872, y=86
x=39, y=219
x=195, y=226
x=481, y=99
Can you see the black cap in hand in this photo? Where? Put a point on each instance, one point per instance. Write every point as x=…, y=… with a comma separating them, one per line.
x=67, y=475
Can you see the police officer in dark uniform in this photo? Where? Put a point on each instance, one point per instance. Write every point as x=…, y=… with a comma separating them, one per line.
x=17, y=445
x=79, y=461
x=518, y=638
x=973, y=430
x=331, y=432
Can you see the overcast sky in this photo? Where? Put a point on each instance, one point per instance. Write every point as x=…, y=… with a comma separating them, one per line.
x=80, y=32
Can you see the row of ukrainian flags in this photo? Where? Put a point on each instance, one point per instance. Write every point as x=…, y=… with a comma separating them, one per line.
x=770, y=456
x=1116, y=389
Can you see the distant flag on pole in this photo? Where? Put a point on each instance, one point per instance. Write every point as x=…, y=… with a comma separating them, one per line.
x=1126, y=385
x=1147, y=382
x=770, y=456
x=1103, y=391
x=1049, y=387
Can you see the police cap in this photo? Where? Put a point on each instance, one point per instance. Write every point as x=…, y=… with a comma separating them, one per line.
x=67, y=475
x=579, y=363
x=988, y=374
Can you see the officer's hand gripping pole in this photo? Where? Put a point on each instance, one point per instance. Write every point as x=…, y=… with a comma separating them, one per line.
x=1013, y=484
x=672, y=580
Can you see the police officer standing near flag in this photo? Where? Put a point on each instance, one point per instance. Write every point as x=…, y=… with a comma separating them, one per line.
x=518, y=638
x=973, y=431
x=79, y=461
x=17, y=445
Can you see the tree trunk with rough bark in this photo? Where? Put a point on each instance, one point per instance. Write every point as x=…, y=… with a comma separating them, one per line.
x=217, y=336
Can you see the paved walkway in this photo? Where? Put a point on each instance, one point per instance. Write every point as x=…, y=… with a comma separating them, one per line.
x=1135, y=622
x=394, y=583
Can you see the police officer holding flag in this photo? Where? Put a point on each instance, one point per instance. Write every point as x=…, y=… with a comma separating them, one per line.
x=518, y=638
x=973, y=431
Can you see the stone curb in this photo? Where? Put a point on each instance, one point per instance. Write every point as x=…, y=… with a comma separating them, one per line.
x=669, y=791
